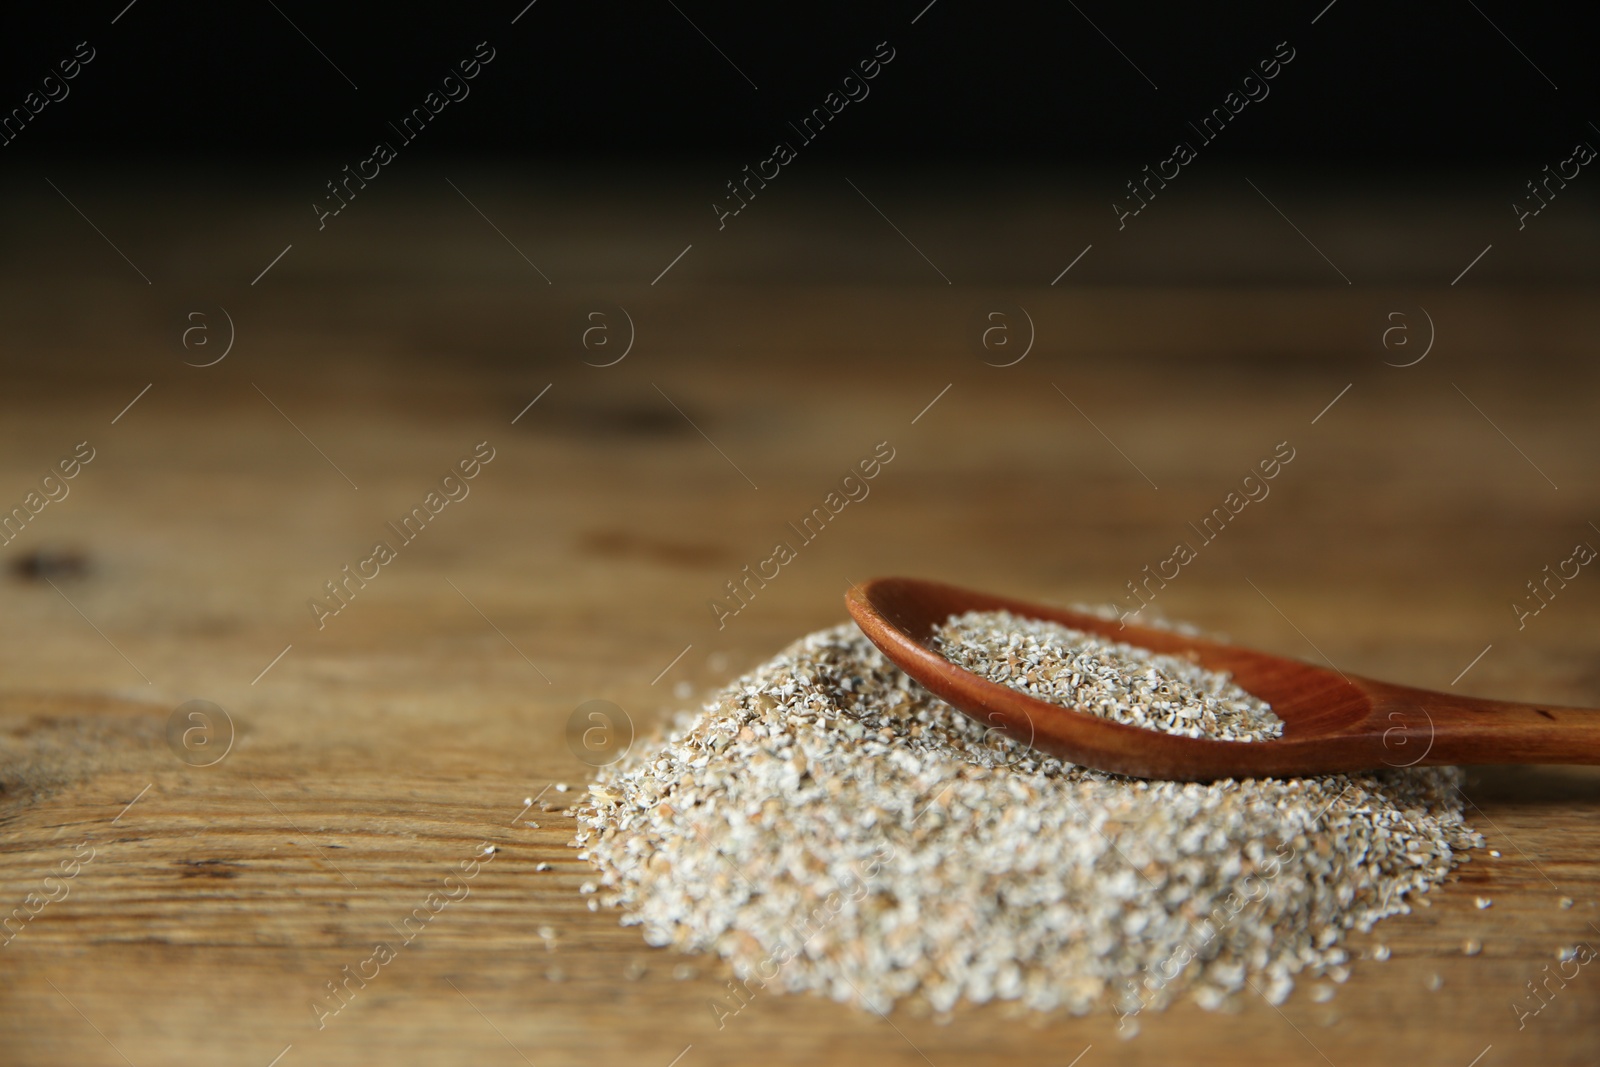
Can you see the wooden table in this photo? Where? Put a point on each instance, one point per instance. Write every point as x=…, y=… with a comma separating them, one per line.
x=211, y=906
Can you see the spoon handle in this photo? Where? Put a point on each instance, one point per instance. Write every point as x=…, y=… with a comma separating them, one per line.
x=1422, y=726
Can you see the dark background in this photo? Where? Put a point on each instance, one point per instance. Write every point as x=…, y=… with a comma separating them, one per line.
x=1379, y=85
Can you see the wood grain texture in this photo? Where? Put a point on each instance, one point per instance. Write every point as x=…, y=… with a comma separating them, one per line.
x=387, y=748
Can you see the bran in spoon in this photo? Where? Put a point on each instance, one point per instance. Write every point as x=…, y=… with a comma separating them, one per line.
x=1111, y=679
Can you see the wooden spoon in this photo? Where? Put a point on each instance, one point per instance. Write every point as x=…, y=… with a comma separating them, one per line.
x=1331, y=721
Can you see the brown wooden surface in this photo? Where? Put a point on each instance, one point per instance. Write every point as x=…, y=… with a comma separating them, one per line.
x=385, y=749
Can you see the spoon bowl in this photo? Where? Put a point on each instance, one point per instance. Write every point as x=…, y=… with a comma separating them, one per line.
x=1332, y=722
